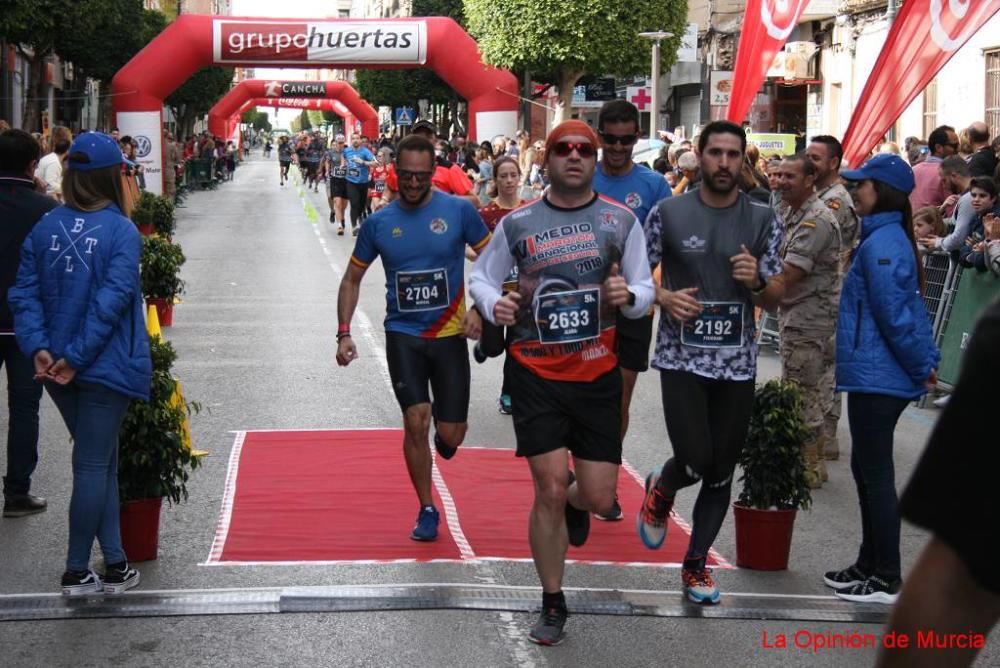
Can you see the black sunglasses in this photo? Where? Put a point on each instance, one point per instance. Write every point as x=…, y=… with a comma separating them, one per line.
x=406, y=175
x=563, y=149
x=625, y=140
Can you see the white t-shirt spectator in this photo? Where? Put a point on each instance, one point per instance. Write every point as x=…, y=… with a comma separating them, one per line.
x=964, y=215
x=50, y=170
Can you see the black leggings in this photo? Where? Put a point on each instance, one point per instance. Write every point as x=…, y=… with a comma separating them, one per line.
x=356, y=194
x=707, y=421
x=493, y=343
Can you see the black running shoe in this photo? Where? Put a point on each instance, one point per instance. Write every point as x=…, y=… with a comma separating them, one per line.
x=844, y=579
x=478, y=354
x=80, y=583
x=119, y=578
x=613, y=515
x=548, y=630
x=443, y=449
x=577, y=521
x=873, y=590
x=21, y=505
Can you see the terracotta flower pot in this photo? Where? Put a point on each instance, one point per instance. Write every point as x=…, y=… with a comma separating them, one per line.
x=140, y=526
x=763, y=537
x=164, y=310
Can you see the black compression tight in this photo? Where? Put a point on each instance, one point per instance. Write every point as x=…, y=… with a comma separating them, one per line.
x=707, y=422
x=356, y=194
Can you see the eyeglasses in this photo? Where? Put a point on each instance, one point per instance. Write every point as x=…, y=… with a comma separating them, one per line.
x=563, y=149
x=406, y=175
x=625, y=140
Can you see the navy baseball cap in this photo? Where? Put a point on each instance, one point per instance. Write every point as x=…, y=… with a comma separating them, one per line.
x=94, y=150
x=888, y=168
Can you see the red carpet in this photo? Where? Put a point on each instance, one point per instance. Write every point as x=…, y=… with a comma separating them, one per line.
x=493, y=491
x=324, y=496
x=333, y=496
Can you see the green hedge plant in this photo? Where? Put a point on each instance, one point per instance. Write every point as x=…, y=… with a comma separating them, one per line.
x=774, y=473
x=153, y=460
x=160, y=268
x=157, y=211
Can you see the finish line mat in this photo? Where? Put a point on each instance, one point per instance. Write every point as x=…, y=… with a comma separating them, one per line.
x=344, y=496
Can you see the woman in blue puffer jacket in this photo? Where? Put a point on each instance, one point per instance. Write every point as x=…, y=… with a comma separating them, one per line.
x=886, y=358
x=78, y=314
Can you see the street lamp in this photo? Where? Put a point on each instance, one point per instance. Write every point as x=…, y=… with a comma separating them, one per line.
x=654, y=114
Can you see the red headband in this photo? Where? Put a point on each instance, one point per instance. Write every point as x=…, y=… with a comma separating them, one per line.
x=572, y=127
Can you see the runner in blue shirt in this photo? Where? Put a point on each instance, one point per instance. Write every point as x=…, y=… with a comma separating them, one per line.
x=421, y=238
x=639, y=188
x=358, y=160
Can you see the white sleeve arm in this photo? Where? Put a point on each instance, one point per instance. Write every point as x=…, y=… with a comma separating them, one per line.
x=489, y=272
x=964, y=214
x=635, y=271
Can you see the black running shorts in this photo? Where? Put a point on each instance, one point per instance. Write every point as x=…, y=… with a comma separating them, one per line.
x=632, y=339
x=442, y=364
x=337, y=187
x=584, y=418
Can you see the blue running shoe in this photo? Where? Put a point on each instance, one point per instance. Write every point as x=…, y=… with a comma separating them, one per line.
x=505, y=406
x=699, y=585
x=651, y=522
x=426, y=528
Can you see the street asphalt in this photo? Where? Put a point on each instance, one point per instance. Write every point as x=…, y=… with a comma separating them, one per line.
x=255, y=338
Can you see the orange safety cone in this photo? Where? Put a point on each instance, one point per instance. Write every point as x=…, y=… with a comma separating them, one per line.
x=177, y=399
x=153, y=323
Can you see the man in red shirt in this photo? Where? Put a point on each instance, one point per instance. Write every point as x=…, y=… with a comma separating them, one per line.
x=448, y=176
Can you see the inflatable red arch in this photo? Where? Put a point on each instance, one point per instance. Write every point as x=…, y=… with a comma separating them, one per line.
x=195, y=41
x=231, y=125
x=220, y=114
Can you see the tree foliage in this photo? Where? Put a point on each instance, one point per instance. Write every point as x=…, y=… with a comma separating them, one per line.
x=398, y=88
x=558, y=41
x=259, y=120
x=79, y=31
x=198, y=95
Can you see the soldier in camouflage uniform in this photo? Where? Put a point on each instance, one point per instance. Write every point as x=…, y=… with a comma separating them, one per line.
x=807, y=315
x=825, y=152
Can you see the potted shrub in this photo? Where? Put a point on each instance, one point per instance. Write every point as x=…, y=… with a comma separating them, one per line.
x=774, y=478
x=153, y=460
x=160, y=275
x=154, y=214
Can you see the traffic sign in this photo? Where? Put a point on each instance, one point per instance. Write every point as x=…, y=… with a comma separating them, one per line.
x=404, y=115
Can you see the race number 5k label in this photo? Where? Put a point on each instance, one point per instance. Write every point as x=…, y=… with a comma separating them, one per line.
x=565, y=317
x=720, y=325
x=422, y=290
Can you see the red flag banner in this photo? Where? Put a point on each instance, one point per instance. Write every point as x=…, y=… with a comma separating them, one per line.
x=924, y=36
x=766, y=27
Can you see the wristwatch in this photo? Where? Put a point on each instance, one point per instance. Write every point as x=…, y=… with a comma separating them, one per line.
x=760, y=290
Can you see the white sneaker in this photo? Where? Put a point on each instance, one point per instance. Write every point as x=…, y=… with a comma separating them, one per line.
x=942, y=401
